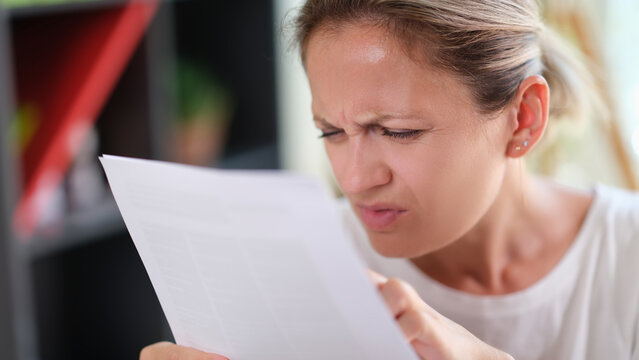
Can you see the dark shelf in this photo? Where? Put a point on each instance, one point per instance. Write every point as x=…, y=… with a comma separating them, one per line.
x=25, y=11
x=236, y=44
x=96, y=302
x=66, y=68
x=78, y=229
x=83, y=268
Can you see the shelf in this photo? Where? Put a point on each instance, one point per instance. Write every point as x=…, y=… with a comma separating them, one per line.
x=29, y=10
x=80, y=68
x=65, y=73
x=77, y=229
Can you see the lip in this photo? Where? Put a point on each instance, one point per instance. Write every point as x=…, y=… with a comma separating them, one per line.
x=380, y=217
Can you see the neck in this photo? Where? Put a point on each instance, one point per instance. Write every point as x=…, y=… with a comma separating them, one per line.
x=526, y=231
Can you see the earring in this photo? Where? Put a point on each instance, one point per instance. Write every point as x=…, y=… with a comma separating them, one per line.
x=518, y=147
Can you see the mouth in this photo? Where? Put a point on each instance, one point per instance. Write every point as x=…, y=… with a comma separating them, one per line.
x=380, y=217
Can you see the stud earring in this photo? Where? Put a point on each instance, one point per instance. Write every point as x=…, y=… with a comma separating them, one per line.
x=518, y=147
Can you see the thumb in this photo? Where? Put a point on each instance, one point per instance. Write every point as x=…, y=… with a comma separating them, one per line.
x=376, y=278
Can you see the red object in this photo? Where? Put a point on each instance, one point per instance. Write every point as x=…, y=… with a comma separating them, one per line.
x=67, y=66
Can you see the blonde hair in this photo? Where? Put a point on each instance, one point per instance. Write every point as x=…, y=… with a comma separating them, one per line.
x=491, y=45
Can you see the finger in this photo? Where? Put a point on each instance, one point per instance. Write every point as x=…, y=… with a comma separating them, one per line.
x=399, y=296
x=417, y=324
x=169, y=351
x=376, y=278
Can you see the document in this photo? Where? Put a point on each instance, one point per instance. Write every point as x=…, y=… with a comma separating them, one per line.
x=252, y=265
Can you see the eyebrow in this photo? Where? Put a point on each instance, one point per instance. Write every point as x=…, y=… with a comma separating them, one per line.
x=374, y=120
x=322, y=121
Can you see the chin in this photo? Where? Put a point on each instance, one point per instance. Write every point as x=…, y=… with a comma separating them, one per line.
x=402, y=245
x=392, y=245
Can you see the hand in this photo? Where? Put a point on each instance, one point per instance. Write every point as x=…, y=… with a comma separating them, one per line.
x=433, y=336
x=169, y=351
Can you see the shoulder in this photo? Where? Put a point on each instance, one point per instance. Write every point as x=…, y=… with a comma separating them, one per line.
x=613, y=229
x=618, y=227
x=615, y=213
x=613, y=224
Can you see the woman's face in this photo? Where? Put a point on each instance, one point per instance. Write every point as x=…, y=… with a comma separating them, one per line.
x=419, y=164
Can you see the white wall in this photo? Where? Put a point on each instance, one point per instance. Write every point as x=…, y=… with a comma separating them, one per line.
x=300, y=148
x=621, y=49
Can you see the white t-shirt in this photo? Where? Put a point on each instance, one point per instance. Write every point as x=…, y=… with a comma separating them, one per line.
x=585, y=308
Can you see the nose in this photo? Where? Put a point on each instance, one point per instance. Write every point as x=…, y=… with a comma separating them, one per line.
x=363, y=168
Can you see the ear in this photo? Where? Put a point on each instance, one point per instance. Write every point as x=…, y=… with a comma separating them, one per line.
x=531, y=104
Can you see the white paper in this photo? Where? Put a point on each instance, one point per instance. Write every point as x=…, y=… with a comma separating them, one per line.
x=252, y=265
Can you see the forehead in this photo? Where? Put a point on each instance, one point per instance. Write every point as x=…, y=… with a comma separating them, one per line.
x=361, y=39
x=352, y=44
x=360, y=67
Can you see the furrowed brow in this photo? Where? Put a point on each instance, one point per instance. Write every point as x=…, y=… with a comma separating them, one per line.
x=323, y=122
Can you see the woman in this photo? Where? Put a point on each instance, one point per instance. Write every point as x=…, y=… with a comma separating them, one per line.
x=426, y=108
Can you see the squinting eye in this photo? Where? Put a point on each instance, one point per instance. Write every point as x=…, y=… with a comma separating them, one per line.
x=330, y=133
x=402, y=134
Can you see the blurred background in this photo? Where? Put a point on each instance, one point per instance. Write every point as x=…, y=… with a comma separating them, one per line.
x=205, y=82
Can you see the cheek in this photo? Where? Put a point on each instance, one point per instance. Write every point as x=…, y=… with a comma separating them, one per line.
x=337, y=159
x=453, y=185
x=466, y=188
